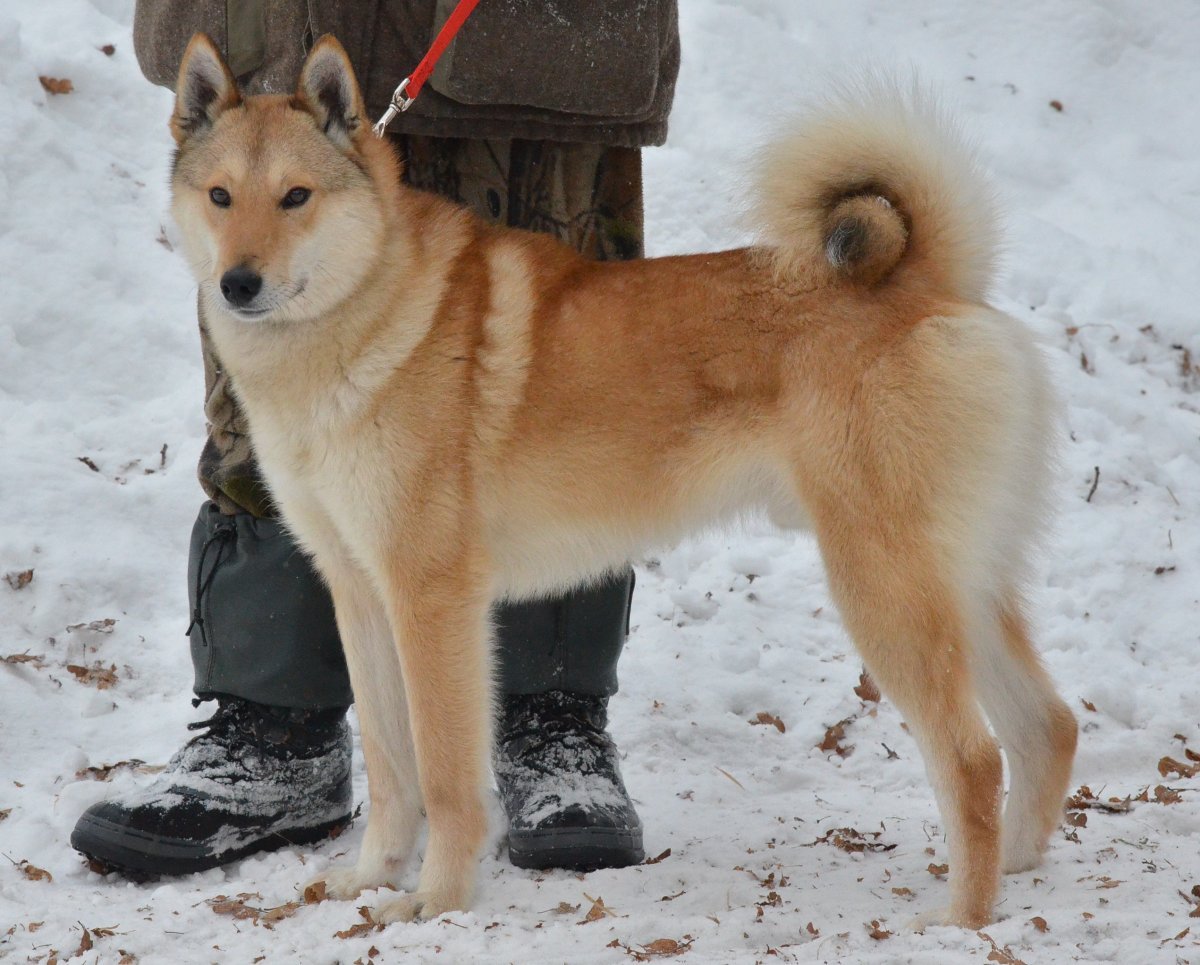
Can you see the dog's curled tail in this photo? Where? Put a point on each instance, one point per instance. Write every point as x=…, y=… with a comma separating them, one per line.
x=878, y=186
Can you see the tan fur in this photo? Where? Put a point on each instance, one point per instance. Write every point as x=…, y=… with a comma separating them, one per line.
x=450, y=413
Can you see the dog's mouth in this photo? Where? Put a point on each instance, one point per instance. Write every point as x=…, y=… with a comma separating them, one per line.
x=279, y=299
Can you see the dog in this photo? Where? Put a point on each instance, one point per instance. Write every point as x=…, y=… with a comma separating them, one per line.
x=448, y=413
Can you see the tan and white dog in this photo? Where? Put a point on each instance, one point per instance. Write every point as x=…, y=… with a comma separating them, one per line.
x=449, y=413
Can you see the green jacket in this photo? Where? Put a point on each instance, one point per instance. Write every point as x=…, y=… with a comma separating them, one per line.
x=600, y=71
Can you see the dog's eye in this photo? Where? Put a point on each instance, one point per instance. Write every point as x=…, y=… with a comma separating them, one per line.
x=219, y=197
x=295, y=197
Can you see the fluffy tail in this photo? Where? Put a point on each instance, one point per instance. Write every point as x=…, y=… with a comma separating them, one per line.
x=875, y=186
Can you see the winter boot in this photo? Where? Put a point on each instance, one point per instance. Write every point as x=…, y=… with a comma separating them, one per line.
x=257, y=779
x=560, y=783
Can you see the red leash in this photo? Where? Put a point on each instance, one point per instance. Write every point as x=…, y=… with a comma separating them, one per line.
x=404, y=95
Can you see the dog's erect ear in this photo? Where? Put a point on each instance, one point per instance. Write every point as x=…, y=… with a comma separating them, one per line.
x=205, y=89
x=330, y=93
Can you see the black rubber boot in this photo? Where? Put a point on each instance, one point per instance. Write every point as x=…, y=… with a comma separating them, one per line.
x=560, y=783
x=257, y=779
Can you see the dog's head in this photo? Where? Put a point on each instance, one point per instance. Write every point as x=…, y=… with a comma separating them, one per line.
x=280, y=214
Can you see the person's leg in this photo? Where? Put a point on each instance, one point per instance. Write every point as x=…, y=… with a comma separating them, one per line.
x=556, y=766
x=273, y=763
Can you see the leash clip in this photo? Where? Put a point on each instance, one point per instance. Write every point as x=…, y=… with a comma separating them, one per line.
x=399, y=104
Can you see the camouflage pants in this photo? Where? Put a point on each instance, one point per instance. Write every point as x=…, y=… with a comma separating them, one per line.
x=588, y=195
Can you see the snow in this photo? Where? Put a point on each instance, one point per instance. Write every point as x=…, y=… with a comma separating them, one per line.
x=99, y=359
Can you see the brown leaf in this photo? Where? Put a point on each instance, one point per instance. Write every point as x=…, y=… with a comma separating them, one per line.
x=1166, y=795
x=1088, y=705
x=1077, y=819
x=1057, y=105
x=34, y=874
x=96, y=626
x=1168, y=766
x=867, y=690
x=938, y=870
x=19, y=579
x=597, y=911
x=56, y=85
x=104, y=772
x=85, y=943
x=565, y=908
x=1003, y=955
x=1039, y=923
x=877, y=931
x=854, y=842
x=665, y=948
x=37, y=659
x=108, y=50
x=103, y=677
x=812, y=929
x=903, y=892
x=314, y=894
x=1107, y=882
x=4, y=813
x=762, y=717
x=834, y=735
x=366, y=925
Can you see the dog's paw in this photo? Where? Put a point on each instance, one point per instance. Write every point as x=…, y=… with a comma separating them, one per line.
x=1018, y=856
x=419, y=906
x=946, y=917
x=346, y=883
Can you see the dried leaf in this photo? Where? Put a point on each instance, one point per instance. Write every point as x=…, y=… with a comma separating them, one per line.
x=366, y=925
x=834, y=735
x=565, y=908
x=108, y=50
x=85, y=943
x=597, y=911
x=867, y=691
x=4, y=813
x=1166, y=795
x=1077, y=819
x=1088, y=705
x=938, y=870
x=33, y=873
x=96, y=626
x=19, y=579
x=1039, y=923
x=762, y=717
x=1168, y=766
x=666, y=947
x=852, y=841
x=104, y=772
x=877, y=931
x=1057, y=105
x=903, y=892
x=314, y=894
x=103, y=677
x=37, y=659
x=56, y=85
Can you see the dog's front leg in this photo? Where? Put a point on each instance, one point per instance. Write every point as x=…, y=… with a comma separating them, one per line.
x=441, y=625
x=394, y=815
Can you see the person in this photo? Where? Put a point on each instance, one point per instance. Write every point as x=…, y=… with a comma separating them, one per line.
x=534, y=119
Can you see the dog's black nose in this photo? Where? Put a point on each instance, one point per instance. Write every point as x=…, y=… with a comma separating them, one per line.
x=240, y=285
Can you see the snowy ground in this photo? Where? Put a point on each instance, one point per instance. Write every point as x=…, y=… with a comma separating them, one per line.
x=1086, y=111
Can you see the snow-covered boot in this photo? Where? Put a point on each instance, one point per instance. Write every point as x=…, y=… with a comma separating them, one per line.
x=560, y=783
x=257, y=779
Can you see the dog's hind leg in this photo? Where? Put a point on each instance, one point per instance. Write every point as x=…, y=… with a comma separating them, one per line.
x=909, y=624
x=441, y=628
x=394, y=815
x=1036, y=729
